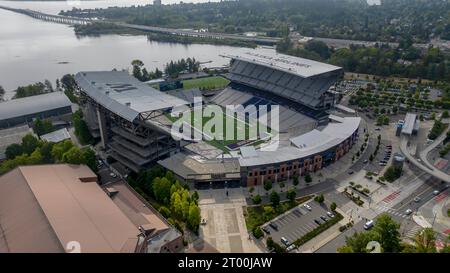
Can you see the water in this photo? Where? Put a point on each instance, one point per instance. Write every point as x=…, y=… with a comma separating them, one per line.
x=32, y=50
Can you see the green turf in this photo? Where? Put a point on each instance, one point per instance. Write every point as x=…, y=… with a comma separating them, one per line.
x=206, y=83
x=221, y=144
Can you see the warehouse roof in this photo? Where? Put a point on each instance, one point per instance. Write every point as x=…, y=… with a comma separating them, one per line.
x=296, y=65
x=34, y=104
x=123, y=94
x=56, y=136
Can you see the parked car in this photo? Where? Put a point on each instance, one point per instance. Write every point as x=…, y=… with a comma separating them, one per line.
x=266, y=230
x=308, y=207
x=368, y=225
x=317, y=221
x=113, y=175
x=365, y=161
x=273, y=225
x=323, y=218
x=291, y=247
x=285, y=241
x=330, y=214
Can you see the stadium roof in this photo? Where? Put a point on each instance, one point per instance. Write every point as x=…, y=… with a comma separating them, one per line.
x=410, y=120
x=34, y=104
x=56, y=136
x=124, y=95
x=307, y=144
x=296, y=65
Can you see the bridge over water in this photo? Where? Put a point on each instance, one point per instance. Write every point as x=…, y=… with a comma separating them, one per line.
x=171, y=31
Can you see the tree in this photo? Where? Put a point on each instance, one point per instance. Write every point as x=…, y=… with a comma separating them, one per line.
x=333, y=206
x=295, y=181
x=73, y=156
x=256, y=199
x=371, y=158
x=274, y=199
x=388, y=232
x=81, y=128
x=59, y=149
x=424, y=242
x=42, y=127
x=13, y=150
x=267, y=185
x=89, y=158
x=392, y=173
x=194, y=217
x=257, y=232
x=357, y=243
x=291, y=194
x=29, y=143
x=308, y=178
x=319, y=198
x=161, y=189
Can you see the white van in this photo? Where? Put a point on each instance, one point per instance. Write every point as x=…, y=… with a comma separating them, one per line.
x=368, y=225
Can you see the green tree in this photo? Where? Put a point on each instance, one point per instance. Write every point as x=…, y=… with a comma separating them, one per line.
x=295, y=181
x=291, y=194
x=319, y=198
x=42, y=127
x=357, y=243
x=308, y=178
x=13, y=150
x=256, y=199
x=267, y=185
x=29, y=143
x=424, y=242
x=194, y=217
x=161, y=189
x=257, y=232
x=274, y=199
x=59, y=149
x=73, y=156
x=81, y=128
x=333, y=206
x=388, y=232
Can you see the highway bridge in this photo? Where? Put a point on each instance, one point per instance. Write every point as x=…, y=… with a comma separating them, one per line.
x=172, y=31
x=50, y=17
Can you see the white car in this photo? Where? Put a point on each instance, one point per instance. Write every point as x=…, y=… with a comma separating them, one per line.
x=113, y=175
x=308, y=207
x=436, y=192
x=331, y=215
x=408, y=211
x=291, y=247
x=368, y=225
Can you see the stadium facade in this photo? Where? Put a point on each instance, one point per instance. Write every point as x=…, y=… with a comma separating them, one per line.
x=131, y=119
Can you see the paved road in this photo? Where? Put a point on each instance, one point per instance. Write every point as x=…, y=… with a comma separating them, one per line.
x=428, y=168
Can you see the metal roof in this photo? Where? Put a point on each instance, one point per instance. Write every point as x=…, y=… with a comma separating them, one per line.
x=295, y=65
x=330, y=136
x=248, y=151
x=34, y=104
x=123, y=94
x=56, y=136
x=408, y=126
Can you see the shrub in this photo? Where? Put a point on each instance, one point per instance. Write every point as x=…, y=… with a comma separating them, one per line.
x=333, y=206
x=308, y=178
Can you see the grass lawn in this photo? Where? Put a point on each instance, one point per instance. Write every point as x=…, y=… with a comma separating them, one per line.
x=255, y=216
x=215, y=82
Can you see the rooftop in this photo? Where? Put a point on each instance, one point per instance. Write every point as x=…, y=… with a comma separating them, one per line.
x=34, y=104
x=306, y=144
x=56, y=136
x=123, y=94
x=296, y=65
x=408, y=126
x=46, y=207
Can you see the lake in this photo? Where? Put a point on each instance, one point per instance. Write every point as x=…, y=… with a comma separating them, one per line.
x=32, y=50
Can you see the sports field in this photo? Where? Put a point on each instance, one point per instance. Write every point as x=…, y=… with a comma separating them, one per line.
x=207, y=83
x=215, y=132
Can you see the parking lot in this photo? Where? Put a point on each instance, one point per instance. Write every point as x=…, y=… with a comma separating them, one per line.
x=296, y=223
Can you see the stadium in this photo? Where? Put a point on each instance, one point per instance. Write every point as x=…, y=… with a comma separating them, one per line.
x=288, y=96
